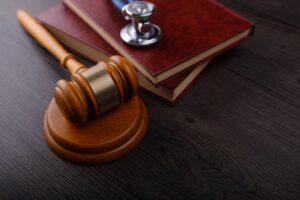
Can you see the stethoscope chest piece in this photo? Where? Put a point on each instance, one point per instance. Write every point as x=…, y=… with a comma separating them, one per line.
x=140, y=33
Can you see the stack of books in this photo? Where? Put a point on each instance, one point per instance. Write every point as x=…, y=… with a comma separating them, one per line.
x=194, y=32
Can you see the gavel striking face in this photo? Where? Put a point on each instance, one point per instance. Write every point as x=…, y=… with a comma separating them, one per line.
x=96, y=90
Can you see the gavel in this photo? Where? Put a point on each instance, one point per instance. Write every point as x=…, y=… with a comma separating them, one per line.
x=92, y=91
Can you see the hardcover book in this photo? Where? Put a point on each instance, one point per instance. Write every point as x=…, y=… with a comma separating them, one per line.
x=75, y=34
x=193, y=31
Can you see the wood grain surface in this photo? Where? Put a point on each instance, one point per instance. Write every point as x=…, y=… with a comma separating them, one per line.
x=236, y=135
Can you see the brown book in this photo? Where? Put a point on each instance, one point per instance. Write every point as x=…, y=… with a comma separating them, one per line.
x=75, y=34
x=193, y=31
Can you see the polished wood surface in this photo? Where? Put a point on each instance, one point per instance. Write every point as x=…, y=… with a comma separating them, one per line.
x=236, y=135
x=101, y=140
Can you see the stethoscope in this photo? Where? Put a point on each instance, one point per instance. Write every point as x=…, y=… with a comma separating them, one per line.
x=141, y=32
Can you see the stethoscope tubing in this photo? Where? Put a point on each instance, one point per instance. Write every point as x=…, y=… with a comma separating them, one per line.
x=119, y=4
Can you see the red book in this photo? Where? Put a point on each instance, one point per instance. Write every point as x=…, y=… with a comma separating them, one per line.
x=75, y=34
x=193, y=31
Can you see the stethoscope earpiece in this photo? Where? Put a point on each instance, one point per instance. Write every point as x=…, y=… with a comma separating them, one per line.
x=141, y=32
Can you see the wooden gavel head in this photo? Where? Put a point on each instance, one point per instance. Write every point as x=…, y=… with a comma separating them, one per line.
x=96, y=90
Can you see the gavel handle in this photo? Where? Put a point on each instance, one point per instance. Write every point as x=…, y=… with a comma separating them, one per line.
x=41, y=34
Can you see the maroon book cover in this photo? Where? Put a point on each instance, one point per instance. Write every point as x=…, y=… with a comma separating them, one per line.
x=193, y=31
x=75, y=34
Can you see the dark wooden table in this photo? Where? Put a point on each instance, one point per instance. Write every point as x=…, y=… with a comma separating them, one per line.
x=236, y=135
